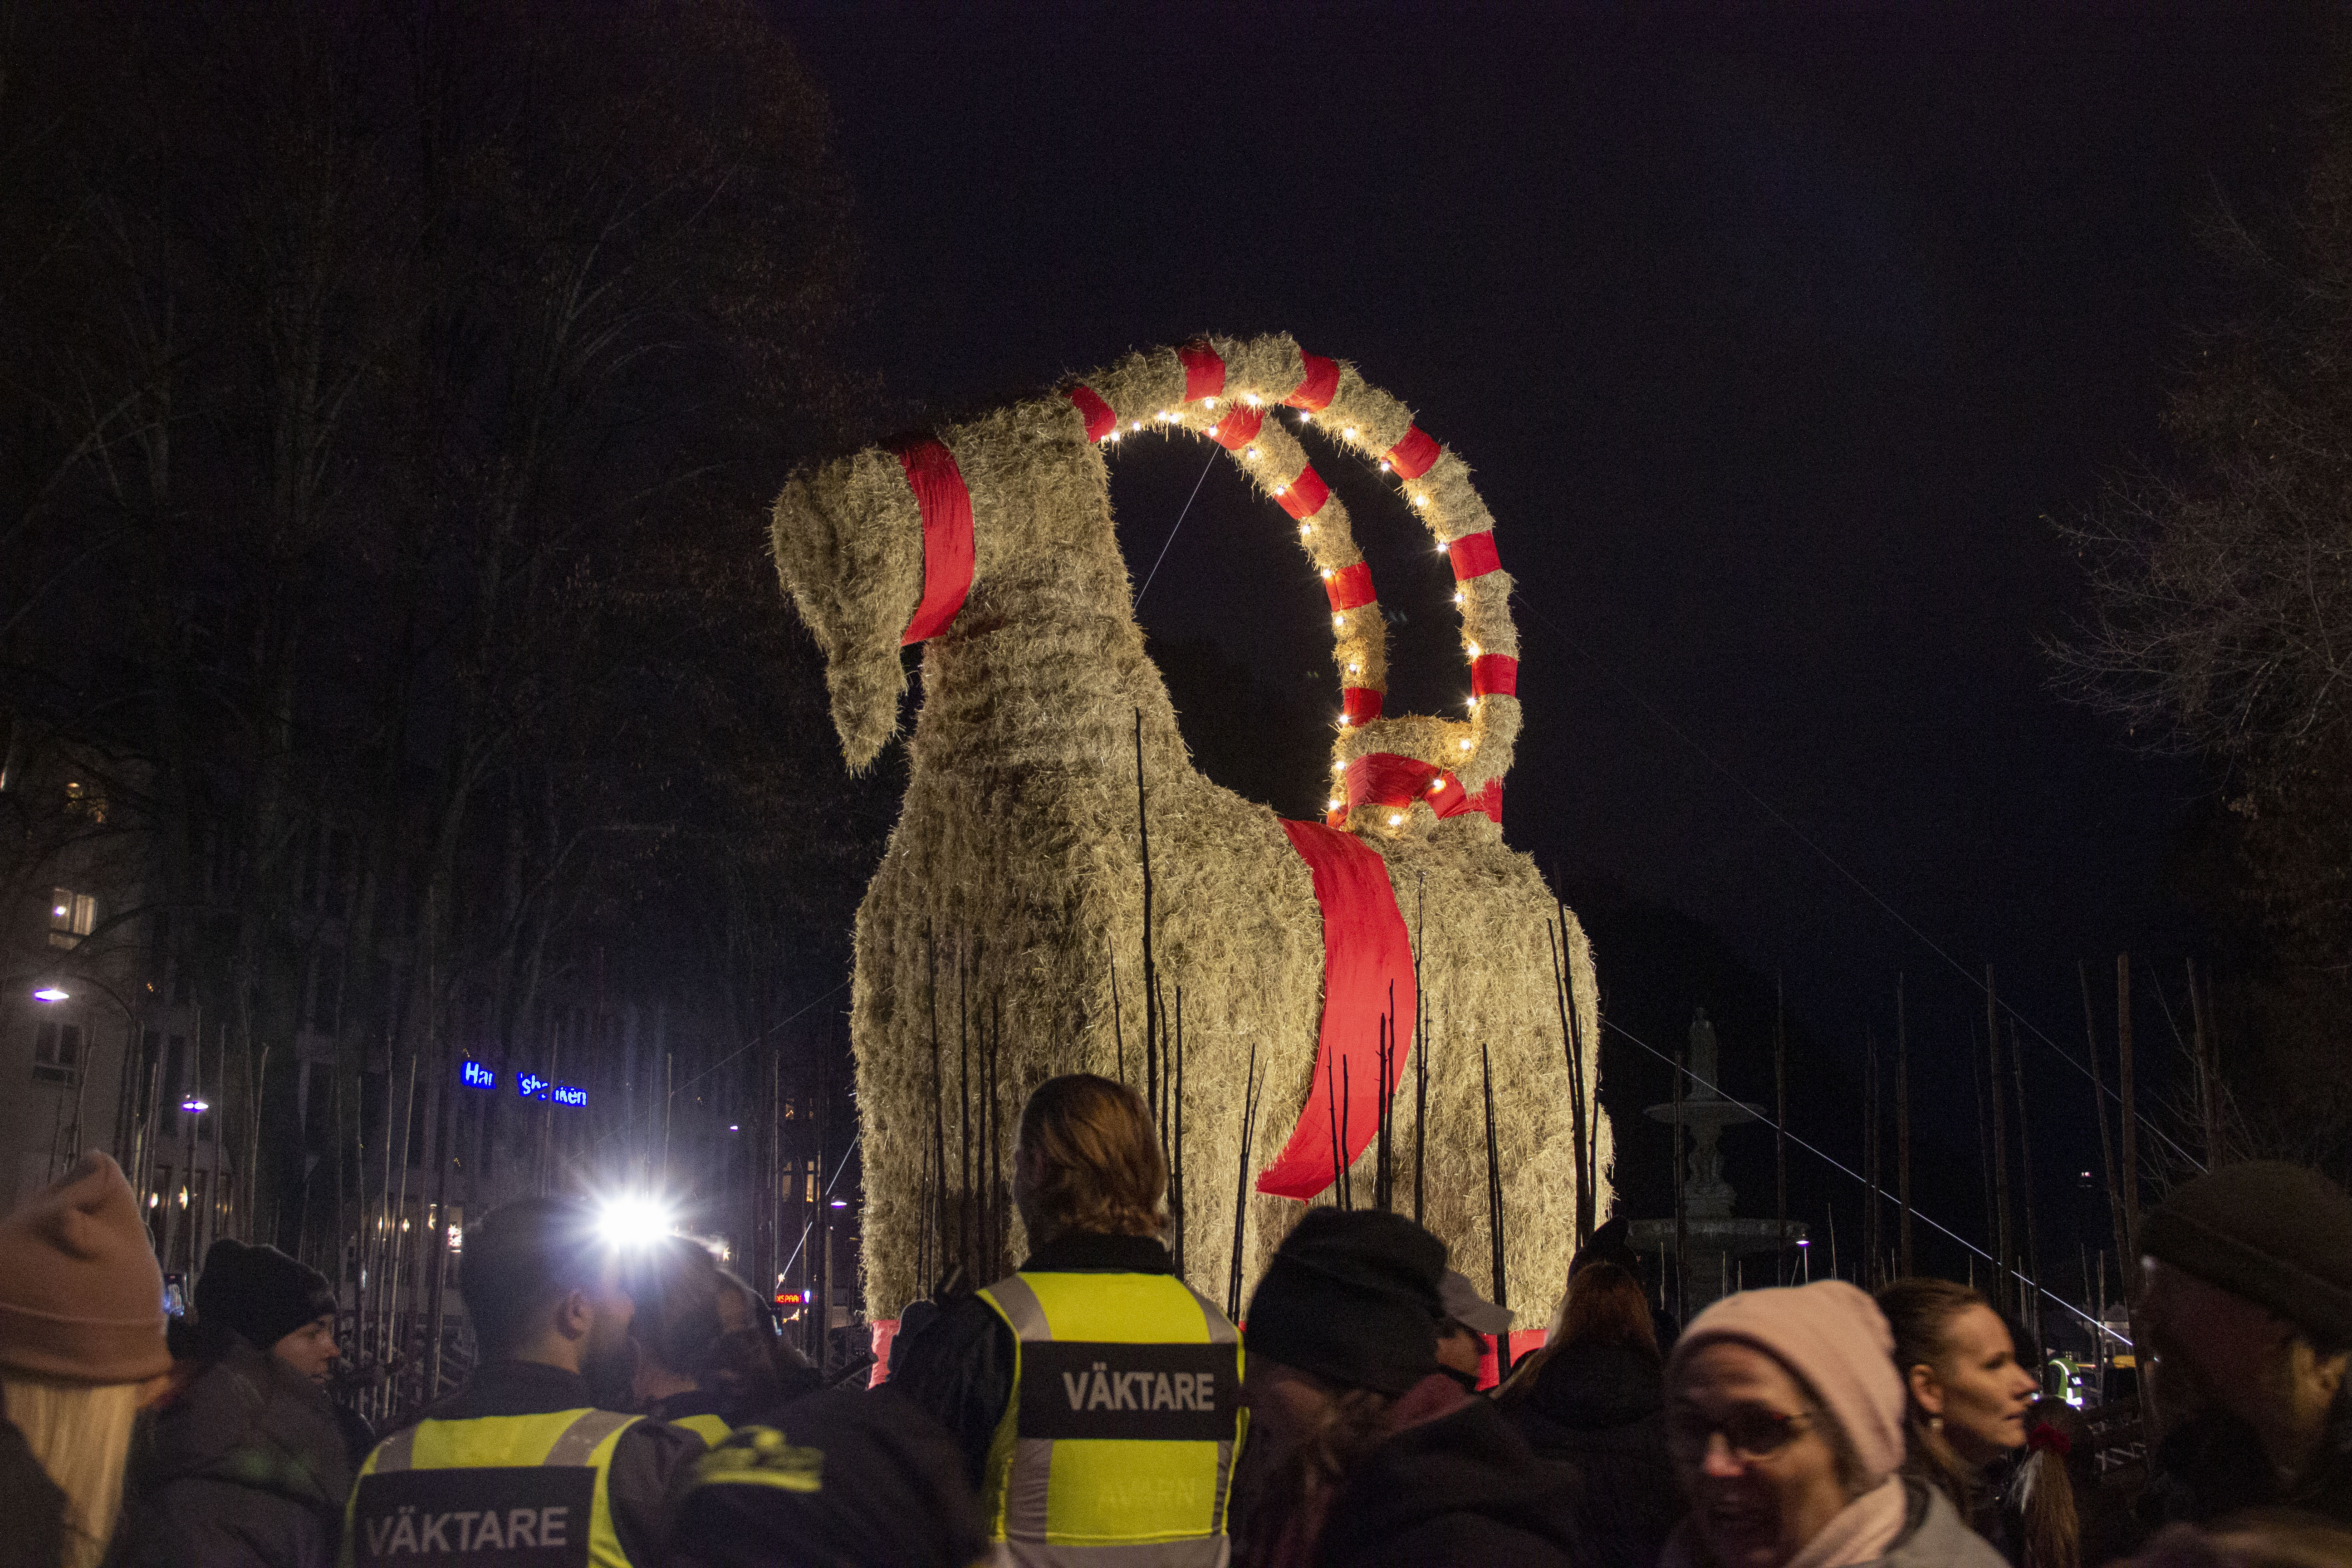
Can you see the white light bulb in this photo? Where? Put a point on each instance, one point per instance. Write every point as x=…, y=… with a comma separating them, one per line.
x=1340, y=767
x=1306, y=416
x=1340, y=621
x=1437, y=786
x=1421, y=501
x=1280, y=489
x=1344, y=720
x=1465, y=745
x=1349, y=433
x=1461, y=598
x=1211, y=402
x=1250, y=398
x=1251, y=454
x=1327, y=572
x=1473, y=702
x=1335, y=802
x=1304, y=529
x=1395, y=820
x=1138, y=425
x=1384, y=467
x=1355, y=669
x=1474, y=650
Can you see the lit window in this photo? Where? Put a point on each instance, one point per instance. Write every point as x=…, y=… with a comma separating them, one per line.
x=56, y=1053
x=72, y=916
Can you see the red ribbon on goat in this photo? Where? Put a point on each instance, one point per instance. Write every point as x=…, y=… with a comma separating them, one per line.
x=1366, y=952
x=1317, y=386
x=1101, y=420
x=1474, y=555
x=945, y=508
x=1349, y=586
x=1361, y=703
x=1238, y=428
x=1495, y=675
x=1303, y=497
x=1414, y=454
x=1386, y=778
x=1204, y=371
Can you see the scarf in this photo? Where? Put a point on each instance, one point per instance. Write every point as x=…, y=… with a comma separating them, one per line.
x=1864, y=1530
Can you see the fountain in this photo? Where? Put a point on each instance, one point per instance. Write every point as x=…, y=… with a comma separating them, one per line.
x=1716, y=1237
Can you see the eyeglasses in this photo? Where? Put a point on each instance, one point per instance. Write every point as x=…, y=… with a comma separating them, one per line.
x=1751, y=1433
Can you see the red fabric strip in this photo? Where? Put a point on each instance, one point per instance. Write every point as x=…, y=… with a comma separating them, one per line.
x=946, y=506
x=1487, y=801
x=1303, y=497
x=1495, y=675
x=1361, y=703
x=1204, y=371
x=1315, y=389
x=1349, y=586
x=1365, y=953
x=1238, y=428
x=1387, y=778
x=1412, y=456
x=1101, y=420
x=1474, y=555
x=1446, y=796
x=1525, y=1343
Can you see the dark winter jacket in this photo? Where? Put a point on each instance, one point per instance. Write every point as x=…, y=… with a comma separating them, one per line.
x=1597, y=1413
x=1933, y=1536
x=246, y=1469
x=840, y=1476
x=960, y=1366
x=2215, y=1466
x=1463, y=1489
x=32, y=1507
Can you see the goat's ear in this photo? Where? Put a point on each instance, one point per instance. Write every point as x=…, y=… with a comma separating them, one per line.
x=848, y=540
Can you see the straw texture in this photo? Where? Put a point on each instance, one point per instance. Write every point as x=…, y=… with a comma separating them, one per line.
x=1018, y=835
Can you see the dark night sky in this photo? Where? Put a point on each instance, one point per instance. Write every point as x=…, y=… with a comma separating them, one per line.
x=1774, y=340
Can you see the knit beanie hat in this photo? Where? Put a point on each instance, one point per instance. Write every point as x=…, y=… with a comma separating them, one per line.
x=1835, y=1339
x=257, y=1294
x=81, y=1295
x=1351, y=1296
x=2278, y=1234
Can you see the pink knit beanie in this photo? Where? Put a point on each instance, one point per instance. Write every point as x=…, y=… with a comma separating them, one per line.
x=1836, y=1341
x=81, y=1295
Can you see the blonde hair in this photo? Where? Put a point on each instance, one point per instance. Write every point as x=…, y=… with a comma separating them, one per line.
x=80, y=1432
x=1090, y=1160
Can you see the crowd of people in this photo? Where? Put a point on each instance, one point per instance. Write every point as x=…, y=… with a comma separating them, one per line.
x=633, y=1407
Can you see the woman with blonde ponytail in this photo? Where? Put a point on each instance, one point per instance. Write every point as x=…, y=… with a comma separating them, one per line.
x=82, y=1348
x=1970, y=1423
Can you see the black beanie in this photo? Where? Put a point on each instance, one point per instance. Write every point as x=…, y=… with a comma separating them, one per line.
x=1351, y=1296
x=257, y=1294
x=2278, y=1234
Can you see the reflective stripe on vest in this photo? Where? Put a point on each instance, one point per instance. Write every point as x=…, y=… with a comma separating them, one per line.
x=711, y=1430
x=1116, y=1447
x=494, y=1491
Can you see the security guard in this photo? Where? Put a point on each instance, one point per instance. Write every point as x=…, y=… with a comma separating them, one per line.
x=1094, y=1393
x=521, y=1467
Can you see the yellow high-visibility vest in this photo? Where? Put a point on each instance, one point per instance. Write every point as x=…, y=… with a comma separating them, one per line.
x=493, y=1484
x=1124, y=1421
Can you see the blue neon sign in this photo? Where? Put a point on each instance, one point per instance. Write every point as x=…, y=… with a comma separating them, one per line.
x=474, y=1075
x=531, y=1086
